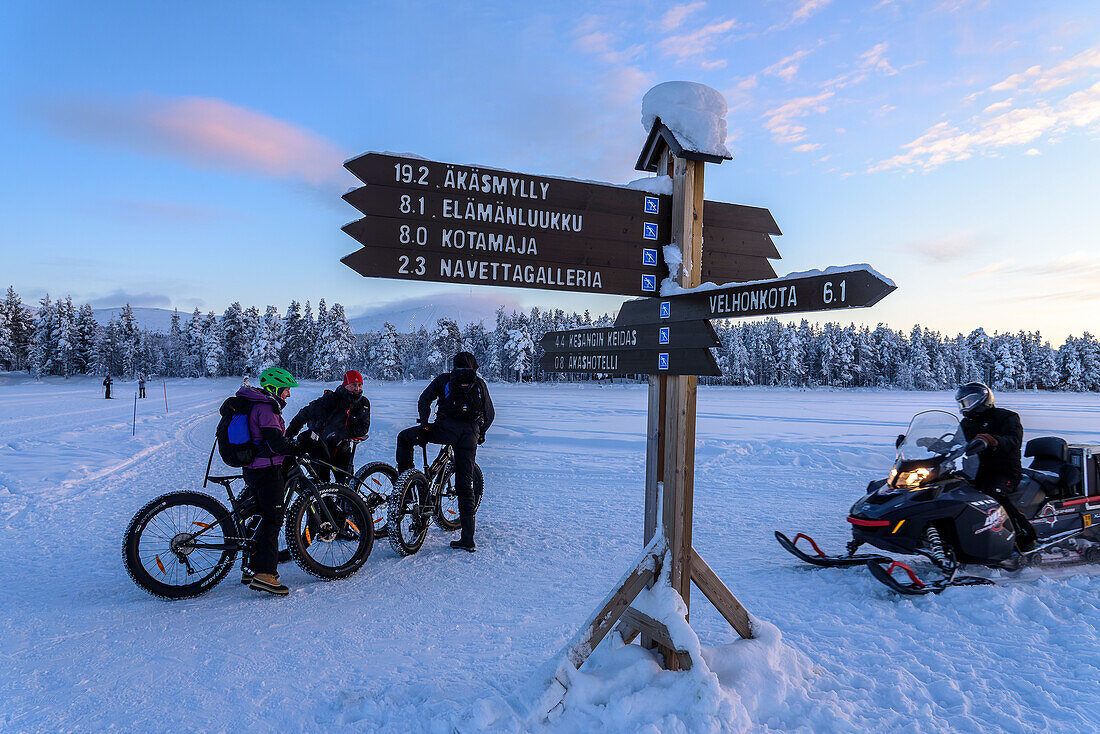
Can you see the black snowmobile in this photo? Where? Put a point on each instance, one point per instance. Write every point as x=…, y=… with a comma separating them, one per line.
x=929, y=507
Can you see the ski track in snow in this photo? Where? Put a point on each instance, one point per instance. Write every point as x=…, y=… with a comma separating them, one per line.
x=437, y=642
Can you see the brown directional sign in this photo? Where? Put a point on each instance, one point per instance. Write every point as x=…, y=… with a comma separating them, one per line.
x=442, y=222
x=855, y=286
x=633, y=362
x=512, y=272
x=656, y=337
x=492, y=241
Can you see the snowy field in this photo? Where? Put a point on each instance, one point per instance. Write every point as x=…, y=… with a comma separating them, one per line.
x=441, y=642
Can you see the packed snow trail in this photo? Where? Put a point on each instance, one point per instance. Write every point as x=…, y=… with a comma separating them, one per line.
x=439, y=641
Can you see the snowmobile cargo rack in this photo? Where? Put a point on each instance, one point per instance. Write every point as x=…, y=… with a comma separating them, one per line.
x=1086, y=457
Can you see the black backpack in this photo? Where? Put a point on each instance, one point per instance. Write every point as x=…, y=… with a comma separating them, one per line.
x=462, y=402
x=235, y=444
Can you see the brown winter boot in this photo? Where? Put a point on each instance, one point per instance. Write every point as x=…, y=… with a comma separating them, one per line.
x=268, y=582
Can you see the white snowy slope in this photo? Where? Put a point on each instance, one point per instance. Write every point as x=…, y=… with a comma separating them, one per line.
x=443, y=642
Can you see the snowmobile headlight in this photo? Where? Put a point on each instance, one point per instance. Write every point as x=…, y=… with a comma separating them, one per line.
x=912, y=479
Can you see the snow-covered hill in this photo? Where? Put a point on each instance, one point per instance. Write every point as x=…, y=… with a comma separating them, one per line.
x=444, y=642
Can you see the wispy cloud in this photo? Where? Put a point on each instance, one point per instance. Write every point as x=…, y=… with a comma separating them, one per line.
x=946, y=249
x=802, y=11
x=782, y=123
x=871, y=61
x=675, y=16
x=201, y=131
x=1038, y=79
x=945, y=143
x=787, y=67
x=697, y=44
x=591, y=37
x=120, y=298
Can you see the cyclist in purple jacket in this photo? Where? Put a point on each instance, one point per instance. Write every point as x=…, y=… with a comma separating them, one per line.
x=264, y=475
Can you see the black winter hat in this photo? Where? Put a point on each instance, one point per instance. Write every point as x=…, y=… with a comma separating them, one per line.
x=465, y=360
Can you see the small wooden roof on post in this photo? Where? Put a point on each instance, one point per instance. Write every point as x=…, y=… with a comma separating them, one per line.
x=662, y=138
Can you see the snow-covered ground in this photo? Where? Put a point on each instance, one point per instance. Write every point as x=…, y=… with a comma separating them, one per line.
x=443, y=642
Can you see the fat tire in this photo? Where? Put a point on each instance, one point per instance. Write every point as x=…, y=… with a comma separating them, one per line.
x=409, y=481
x=379, y=510
x=441, y=518
x=140, y=521
x=297, y=547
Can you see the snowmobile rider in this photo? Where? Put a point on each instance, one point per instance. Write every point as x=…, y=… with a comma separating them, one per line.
x=333, y=420
x=463, y=415
x=999, y=461
x=264, y=476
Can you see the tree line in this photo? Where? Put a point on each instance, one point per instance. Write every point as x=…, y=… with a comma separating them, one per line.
x=59, y=338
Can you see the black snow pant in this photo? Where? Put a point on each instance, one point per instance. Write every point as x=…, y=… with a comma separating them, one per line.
x=1000, y=489
x=107, y=392
x=338, y=455
x=267, y=485
x=141, y=391
x=462, y=437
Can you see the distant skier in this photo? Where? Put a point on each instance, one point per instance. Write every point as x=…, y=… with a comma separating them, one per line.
x=141, y=386
x=464, y=414
x=245, y=382
x=999, y=468
x=331, y=420
x=107, y=382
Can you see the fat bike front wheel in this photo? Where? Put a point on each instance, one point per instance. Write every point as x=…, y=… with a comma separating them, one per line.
x=180, y=545
x=329, y=550
x=409, y=513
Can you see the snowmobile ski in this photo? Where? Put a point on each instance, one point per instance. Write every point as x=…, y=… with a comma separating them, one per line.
x=820, y=558
x=915, y=587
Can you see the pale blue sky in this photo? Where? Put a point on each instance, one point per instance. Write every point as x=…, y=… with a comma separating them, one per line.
x=189, y=154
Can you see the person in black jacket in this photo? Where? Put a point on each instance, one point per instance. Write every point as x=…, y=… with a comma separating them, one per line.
x=333, y=419
x=107, y=382
x=999, y=469
x=464, y=414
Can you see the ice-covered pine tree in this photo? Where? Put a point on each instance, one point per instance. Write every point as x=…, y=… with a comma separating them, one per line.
x=388, y=353
x=7, y=343
x=920, y=362
x=21, y=325
x=195, y=346
x=519, y=351
x=476, y=341
x=446, y=343
x=175, y=348
x=66, y=337
x=1089, y=350
x=129, y=340
x=86, y=335
x=211, y=345
x=109, y=349
x=335, y=344
x=267, y=342
x=497, y=339
x=1070, y=367
x=45, y=340
x=235, y=340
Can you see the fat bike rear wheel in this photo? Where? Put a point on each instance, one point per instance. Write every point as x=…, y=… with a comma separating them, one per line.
x=409, y=513
x=446, y=502
x=375, y=482
x=329, y=550
x=164, y=547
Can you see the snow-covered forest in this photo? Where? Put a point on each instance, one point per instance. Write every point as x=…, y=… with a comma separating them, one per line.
x=59, y=338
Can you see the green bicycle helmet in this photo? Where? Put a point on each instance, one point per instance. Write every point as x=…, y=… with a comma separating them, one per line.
x=274, y=379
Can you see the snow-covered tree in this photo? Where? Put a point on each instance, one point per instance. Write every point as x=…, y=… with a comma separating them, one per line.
x=388, y=353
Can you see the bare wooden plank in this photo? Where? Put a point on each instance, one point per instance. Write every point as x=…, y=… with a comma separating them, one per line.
x=652, y=457
x=720, y=596
x=739, y=216
x=634, y=623
x=600, y=623
x=722, y=268
x=738, y=241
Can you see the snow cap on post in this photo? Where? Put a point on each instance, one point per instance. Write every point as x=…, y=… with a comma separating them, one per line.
x=687, y=118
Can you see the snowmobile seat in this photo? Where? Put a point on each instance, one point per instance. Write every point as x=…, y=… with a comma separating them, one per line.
x=1050, y=466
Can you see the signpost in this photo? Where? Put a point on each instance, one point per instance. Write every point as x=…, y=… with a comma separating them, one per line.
x=441, y=222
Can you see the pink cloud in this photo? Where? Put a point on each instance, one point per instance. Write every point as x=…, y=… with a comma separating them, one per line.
x=202, y=131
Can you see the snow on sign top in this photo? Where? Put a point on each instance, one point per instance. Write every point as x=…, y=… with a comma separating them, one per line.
x=693, y=112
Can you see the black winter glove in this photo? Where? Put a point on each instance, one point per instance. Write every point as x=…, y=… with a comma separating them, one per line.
x=901, y=438
x=481, y=439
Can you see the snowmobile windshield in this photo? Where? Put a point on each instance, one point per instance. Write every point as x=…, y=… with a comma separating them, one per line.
x=931, y=434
